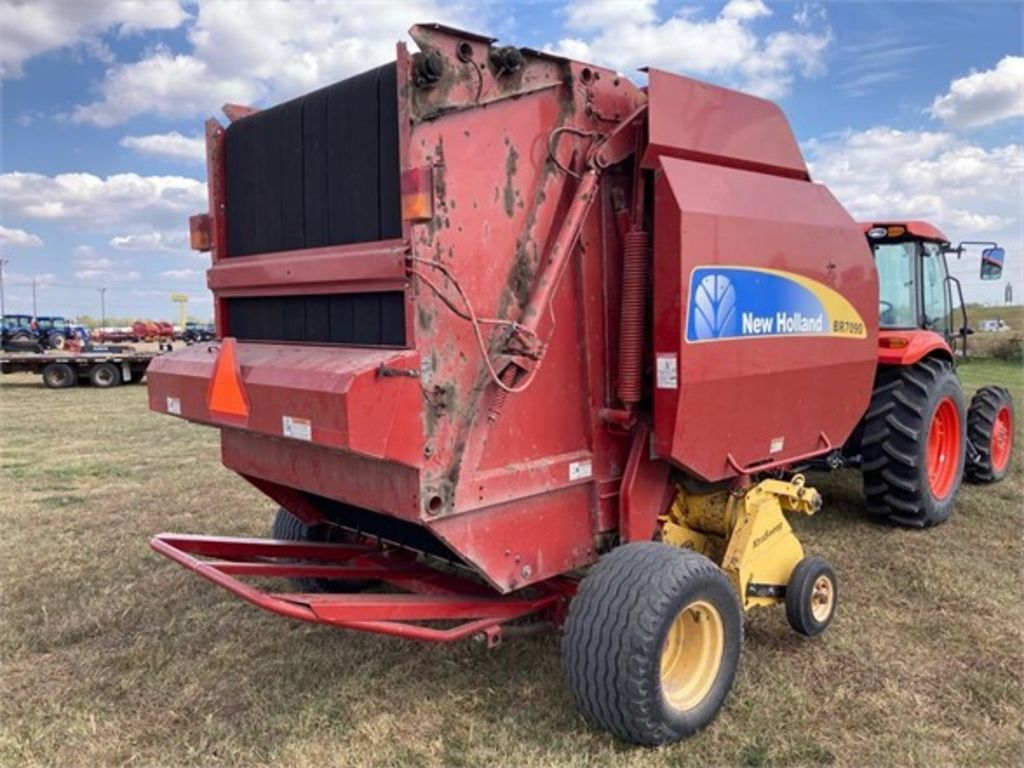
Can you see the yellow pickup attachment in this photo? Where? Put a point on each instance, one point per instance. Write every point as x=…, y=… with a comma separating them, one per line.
x=746, y=533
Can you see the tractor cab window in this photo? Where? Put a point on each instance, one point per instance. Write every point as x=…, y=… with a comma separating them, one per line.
x=897, y=295
x=935, y=290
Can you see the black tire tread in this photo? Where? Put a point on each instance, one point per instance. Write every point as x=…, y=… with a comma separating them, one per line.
x=288, y=527
x=72, y=376
x=798, y=612
x=981, y=416
x=94, y=375
x=894, y=426
x=607, y=668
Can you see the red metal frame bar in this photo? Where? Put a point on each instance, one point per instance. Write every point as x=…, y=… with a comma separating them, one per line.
x=429, y=594
x=750, y=469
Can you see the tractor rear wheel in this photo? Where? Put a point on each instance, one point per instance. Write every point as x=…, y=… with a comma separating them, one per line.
x=990, y=428
x=652, y=642
x=914, y=444
x=288, y=527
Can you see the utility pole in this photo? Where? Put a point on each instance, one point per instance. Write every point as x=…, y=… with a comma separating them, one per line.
x=33, y=298
x=3, y=263
x=103, y=307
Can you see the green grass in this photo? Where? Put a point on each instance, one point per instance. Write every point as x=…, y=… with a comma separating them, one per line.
x=110, y=655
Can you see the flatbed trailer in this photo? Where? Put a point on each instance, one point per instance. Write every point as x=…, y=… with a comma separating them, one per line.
x=101, y=368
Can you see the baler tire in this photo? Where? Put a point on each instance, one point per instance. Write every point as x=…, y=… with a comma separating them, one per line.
x=895, y=443
x=624, y=639
x=288, y=527
x=990, y=418
x=59, y=376
x=105, y=376
x=811, y=596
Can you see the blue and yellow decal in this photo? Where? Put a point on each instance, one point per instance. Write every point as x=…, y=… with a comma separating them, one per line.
x=748, y=302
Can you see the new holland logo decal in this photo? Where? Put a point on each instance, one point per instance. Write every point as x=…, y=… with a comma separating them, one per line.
x=744, y=302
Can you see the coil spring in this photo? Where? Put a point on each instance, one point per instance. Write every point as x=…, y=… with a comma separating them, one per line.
x=631, y=319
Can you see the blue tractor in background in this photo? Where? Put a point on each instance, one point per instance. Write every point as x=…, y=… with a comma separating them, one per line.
x=18, y=331
x=53, y=332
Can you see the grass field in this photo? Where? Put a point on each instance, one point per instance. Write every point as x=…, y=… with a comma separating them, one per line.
x=110, y=655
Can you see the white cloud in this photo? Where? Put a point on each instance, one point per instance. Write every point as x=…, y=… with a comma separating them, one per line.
x=18, y=237
x=181, y=274
x=25, y=278
x=725, y=47
x=82, y=201
x=599, y=14
x=33, y=27
x=172, y=240
x=172, y=145
x=969, y=192
x=258, y=52
x=745, y=10
x=922, y=174
x=90, y=265
x=163, y=84
x=985, y=97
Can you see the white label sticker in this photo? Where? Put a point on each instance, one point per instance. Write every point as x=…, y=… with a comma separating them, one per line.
x=667, y=370
x=581, y=470
x=174, y=406
x=300, y=429
x=776, y=445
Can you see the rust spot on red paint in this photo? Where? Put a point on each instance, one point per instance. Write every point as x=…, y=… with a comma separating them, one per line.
x=511, y=164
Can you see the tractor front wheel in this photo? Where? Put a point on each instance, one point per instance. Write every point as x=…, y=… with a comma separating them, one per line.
x=990, y=428
x=652, y=642
x=914, y=444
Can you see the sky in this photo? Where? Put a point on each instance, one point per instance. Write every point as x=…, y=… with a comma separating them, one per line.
x=904, y=109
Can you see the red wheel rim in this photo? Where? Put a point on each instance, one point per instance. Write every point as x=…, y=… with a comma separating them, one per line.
x=944, y=448
x=1002, y=439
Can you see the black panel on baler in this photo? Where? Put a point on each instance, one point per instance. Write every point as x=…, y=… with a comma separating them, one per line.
x=318, y=170
x=373, y=319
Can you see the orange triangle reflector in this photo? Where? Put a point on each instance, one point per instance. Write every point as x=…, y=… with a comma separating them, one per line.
x=226, y=396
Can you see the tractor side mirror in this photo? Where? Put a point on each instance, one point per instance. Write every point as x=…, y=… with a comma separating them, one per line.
x=992, y=263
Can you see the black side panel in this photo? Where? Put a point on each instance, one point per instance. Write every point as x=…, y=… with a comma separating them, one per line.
x=370, y=319
x=318, y=170
x=385, y=527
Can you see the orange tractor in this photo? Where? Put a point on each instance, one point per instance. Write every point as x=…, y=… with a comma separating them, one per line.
x=487, y=316
x=918, y=438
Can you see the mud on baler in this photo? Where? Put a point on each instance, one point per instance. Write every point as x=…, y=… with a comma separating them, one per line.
x=488, y=316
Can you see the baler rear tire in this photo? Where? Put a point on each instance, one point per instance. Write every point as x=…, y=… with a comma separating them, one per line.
x=290, y=528
x=990, y=419
x=624, y=638
x=905, y=408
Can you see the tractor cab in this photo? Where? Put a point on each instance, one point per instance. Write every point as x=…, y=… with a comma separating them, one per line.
x=915, y=290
